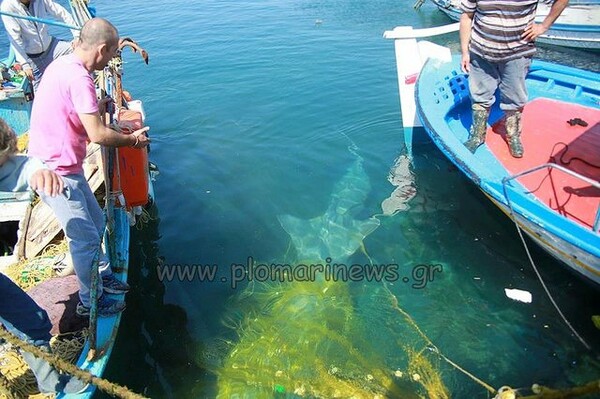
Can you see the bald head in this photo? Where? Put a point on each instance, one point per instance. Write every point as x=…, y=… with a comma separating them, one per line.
x=98, y=31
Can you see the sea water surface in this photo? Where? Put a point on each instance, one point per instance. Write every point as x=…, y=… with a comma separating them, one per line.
x=260, y=109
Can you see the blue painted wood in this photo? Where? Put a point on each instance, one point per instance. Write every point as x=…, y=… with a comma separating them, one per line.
x=107, y=326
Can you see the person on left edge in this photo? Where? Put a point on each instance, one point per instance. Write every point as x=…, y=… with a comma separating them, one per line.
x=19, y=314
x=18, y=172
x=34, y=48
x=65, y=114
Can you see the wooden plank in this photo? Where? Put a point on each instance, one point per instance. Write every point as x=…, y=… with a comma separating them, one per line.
x=12, y=211
x=43, y=227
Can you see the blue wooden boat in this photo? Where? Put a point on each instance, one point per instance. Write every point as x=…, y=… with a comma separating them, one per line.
x=553, y=192
x=578, y=25
x=15, y=108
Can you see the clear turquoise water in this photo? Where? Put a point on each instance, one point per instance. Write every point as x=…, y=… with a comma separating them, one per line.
x=252, y=107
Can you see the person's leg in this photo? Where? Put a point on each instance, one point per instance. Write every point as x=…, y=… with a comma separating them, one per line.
x=513, y=91
x=109, y=282
x=21, y=315
x=484, y=78
x=71, y=210
x=37, y=73
x=483, y=82
x=59, y=48
x=26, y=320
x=513, y=96
x=98, y=218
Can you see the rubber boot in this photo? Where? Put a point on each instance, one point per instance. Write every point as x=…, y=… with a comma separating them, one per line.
x=49, y=380
x=512, y=123
x=478, y=127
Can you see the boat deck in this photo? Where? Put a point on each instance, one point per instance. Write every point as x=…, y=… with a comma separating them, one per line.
x=548, y=138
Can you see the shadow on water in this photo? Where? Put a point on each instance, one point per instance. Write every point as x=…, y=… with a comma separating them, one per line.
x=152, y=348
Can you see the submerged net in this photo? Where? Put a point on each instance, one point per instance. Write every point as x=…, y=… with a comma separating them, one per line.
x=306, y=339
x=310, y=339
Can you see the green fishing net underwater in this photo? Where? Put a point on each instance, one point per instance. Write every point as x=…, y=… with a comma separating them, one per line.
x=306, y=339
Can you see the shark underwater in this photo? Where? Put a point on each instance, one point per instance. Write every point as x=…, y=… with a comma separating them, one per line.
x=304, y=339
x=336, y=234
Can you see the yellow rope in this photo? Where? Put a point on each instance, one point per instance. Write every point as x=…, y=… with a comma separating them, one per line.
x=17, y=379
x=143, y=219
x=23, y=142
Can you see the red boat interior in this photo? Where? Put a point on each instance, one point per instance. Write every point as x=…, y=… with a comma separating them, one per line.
x=563, y=133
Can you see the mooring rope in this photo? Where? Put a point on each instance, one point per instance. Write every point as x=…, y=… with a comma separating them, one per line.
x=432, y=347
x=143, y=219
x=539, y=276
x=62, y=365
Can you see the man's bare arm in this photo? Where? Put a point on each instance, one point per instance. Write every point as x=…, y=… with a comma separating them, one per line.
x=466, y=22
x=534, y=30
x=101, y=134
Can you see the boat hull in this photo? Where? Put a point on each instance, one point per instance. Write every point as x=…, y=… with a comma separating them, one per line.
x=443, y=106
x=578, y=260
x=578, y=26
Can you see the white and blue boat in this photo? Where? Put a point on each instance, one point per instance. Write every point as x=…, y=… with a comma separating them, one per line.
x=38, y=225
x=553, y=192
x=578, y=26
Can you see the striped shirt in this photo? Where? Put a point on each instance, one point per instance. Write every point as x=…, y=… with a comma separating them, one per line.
x=498, y=26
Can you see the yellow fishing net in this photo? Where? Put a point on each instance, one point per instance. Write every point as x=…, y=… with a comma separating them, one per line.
x=306, y=339
x=28, y=273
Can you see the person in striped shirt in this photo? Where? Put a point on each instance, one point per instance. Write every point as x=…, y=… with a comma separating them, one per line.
x=497, y=43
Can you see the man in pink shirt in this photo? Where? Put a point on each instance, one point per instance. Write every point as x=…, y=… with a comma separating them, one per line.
x=65, y=115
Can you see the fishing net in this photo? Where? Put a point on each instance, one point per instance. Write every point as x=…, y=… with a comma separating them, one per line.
x=28, y=273
x=307, y=339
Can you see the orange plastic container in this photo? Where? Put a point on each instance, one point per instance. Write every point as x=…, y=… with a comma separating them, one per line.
x=133, y=163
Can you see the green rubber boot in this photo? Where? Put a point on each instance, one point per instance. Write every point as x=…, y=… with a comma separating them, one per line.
x=513, y=133
x=478, y=127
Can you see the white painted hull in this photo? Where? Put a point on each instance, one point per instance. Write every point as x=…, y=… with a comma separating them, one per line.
x=580, y=261
x=578, y=26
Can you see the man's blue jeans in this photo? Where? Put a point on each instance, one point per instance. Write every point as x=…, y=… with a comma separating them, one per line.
x=485, y=77
x=21, y=315
x=82, y=220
